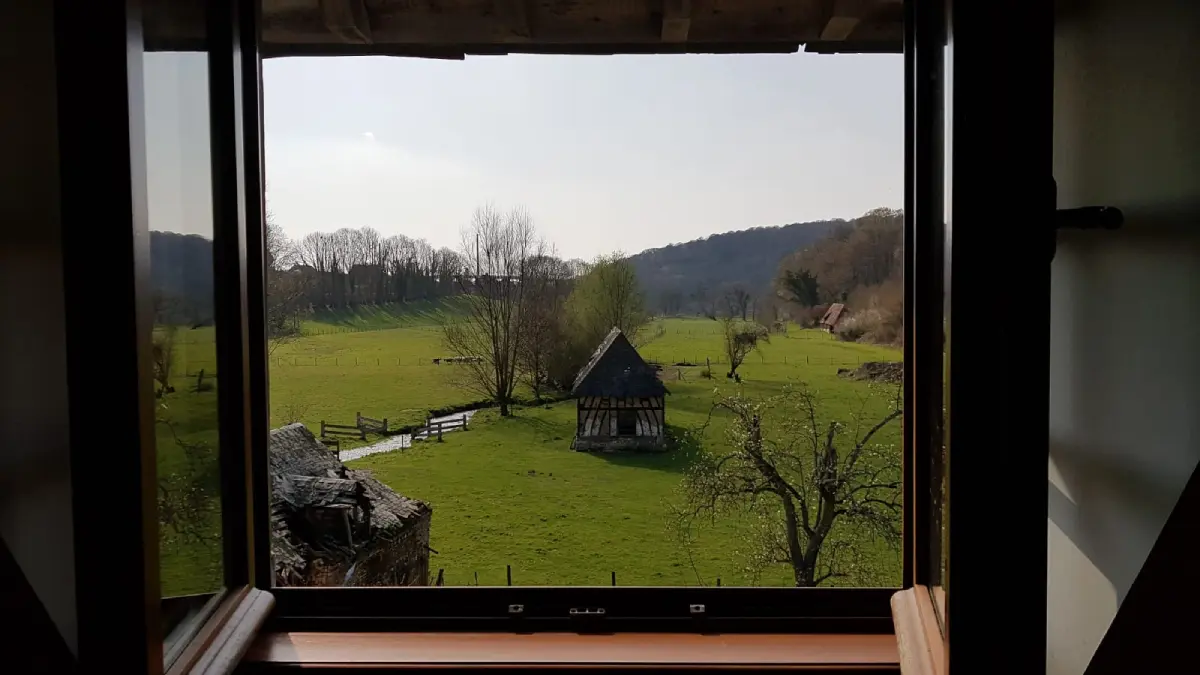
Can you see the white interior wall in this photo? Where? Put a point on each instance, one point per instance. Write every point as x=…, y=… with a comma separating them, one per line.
x=1125, y=330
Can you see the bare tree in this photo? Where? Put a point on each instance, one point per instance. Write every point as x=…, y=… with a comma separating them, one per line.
x=187, y=494
x=739, y=339
x=819, y=494
x=162, y=356
x=497, y=248
x=287, y=288
x=738, y=300
x=705, y=301
x=543, y=330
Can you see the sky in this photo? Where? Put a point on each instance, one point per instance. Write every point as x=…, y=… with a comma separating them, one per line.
x=606, y=152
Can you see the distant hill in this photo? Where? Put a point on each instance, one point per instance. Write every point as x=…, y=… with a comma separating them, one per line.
x=675, y=277
x=181, y=273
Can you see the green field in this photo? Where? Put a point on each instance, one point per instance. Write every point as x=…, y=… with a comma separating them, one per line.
x=511, y=491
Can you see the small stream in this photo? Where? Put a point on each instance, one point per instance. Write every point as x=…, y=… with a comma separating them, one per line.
x=398, y=442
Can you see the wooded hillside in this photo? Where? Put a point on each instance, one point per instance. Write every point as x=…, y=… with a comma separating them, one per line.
x=860, y=264
x=694, y=277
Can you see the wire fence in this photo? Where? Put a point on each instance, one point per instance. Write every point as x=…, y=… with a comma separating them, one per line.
x=512, y=578
x=673, y=360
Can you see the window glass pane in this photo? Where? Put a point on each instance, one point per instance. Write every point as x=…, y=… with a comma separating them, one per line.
x=450, y=403
x=180, y=208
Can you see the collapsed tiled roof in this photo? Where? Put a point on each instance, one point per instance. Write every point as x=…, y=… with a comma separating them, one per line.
x=305, y=474
x=617, y=370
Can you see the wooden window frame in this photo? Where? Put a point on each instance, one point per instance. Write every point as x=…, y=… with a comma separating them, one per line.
x=98, y=48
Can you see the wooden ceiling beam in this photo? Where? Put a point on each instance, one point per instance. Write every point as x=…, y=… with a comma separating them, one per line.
x=845, y=15
x=516, y=17
x=677, y=20
x=348, y=20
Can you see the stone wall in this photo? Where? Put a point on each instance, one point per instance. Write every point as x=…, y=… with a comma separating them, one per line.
x=618, y=443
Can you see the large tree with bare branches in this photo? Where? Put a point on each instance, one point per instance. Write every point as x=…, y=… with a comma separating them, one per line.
x=497, y=250
x=820, y=491
x=542, y=349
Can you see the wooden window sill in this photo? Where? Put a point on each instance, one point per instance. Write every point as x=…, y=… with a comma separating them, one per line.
x=569, y=650
x=918, y=633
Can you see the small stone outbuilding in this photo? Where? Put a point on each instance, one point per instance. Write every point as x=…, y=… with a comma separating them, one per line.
x=620, y=400
x=334, y=526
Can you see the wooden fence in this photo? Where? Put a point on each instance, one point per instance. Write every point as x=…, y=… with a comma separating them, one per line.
x=436, y=427
x=354, y=431
x=371, y=424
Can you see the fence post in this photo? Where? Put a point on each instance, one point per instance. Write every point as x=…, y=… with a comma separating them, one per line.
x=509, y=574
x=385, y=425
x=440, y=581
x=477, y=578
x=322, y=428
x=465, y=417
x=439, y=432
x=614, y=578
x=718, y=582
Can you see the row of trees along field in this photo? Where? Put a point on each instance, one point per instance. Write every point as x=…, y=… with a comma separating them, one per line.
x=349, y=267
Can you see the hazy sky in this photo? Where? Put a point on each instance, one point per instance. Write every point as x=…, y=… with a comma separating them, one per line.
x=616, y=152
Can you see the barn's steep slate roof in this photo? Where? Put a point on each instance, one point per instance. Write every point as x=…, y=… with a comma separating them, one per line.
x=617, y=370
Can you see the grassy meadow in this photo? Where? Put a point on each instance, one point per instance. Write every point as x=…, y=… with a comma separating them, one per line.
x=511, y=491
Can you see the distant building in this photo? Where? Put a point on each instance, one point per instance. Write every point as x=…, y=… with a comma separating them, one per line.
x=333, y=526
x=832, y=315
x=620, y=402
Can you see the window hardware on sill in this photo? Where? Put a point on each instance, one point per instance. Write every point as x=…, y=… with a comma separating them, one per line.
x=548, y=609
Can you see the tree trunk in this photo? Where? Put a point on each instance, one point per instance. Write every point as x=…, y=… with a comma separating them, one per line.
x=504, y=407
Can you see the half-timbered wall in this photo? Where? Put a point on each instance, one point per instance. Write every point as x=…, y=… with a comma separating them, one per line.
x=597, y=416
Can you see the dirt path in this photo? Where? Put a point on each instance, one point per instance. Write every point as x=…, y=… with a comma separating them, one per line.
x=399, y=442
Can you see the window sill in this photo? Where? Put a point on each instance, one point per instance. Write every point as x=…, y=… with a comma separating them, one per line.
x=674, y=651
x=918, y=635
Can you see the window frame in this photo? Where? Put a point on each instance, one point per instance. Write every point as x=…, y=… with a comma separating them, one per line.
x=99, y=47
x=637, y=609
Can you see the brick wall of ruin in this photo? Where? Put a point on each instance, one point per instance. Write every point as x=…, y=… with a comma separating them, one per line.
x=403, y=561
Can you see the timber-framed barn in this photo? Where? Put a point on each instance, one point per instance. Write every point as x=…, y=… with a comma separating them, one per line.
x=620, y=401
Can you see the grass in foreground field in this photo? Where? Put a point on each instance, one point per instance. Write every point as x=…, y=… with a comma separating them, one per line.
x=510, y=491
